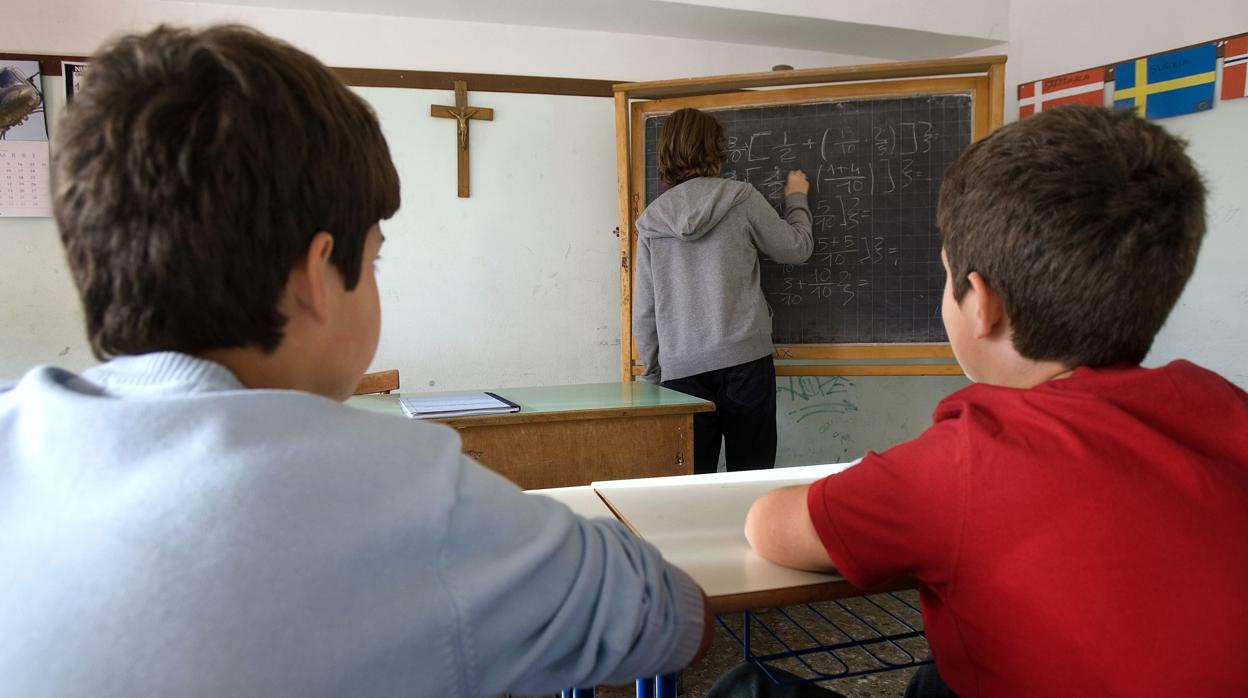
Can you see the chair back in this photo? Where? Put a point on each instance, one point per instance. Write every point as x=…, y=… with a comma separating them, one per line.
x=379, y=382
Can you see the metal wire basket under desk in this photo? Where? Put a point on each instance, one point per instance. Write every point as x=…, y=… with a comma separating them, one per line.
x=833, y=639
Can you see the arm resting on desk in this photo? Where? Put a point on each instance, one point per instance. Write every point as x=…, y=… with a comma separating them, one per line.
x=779, y=528
x=548, y=599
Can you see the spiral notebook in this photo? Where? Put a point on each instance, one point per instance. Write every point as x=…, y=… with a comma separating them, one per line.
x=443, y=405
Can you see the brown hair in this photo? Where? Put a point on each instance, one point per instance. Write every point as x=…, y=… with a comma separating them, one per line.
x=191, y=173
x=1087, y=222
x=691, y=142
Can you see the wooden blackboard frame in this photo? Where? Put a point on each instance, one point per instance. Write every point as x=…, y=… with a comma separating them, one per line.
x=980, y=77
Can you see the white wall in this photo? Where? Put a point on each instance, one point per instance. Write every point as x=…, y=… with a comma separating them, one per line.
x=535, y=235
x=40, y=318
x=832, y=419
x=517, y=285
x=1210, y=324
x=847, y=416
x=1059, y=36
x=372, y=41
x=533, y=242
x=985, y=18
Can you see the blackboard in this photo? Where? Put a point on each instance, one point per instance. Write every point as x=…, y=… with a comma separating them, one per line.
x=875, y=166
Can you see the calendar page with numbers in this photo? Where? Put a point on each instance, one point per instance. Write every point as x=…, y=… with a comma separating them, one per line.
x=24, y=156
x=24, y=189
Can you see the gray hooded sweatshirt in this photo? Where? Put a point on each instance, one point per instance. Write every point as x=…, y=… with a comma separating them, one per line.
x=697, y=300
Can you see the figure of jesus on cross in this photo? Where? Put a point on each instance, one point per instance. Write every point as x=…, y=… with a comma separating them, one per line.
x=461, y=112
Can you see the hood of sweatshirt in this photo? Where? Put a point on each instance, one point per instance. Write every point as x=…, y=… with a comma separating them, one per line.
x=690, y=210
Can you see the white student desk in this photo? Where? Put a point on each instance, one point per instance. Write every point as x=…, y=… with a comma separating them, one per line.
x=698, y=523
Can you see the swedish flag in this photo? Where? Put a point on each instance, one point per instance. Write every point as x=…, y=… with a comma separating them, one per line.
x=1168, y=84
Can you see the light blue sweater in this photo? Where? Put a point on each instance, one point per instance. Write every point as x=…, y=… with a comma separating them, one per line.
x=166, y=532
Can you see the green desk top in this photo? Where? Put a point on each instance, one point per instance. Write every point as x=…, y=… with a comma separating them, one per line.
x=554, y=399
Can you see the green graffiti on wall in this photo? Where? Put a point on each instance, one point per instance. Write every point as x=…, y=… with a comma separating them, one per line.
x=816, y=390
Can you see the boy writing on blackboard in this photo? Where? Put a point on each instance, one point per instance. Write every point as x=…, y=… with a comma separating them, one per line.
x=700, y=320
x=200, y=516
x=1077, y=524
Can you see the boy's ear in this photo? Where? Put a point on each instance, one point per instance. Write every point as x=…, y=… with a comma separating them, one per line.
x=311, y=276
x=990, y=307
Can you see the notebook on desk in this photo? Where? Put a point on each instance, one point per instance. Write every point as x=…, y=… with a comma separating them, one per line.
x=465, y=404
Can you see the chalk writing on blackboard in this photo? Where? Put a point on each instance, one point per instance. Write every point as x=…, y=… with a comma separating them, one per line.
x=875, y=167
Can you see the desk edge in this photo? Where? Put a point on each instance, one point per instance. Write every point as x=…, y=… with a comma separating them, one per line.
x=574, y=415
x=790, y=596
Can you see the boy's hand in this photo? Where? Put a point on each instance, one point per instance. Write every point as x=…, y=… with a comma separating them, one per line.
x=797, y=183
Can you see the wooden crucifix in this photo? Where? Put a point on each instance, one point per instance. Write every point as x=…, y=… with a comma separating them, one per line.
x=461, y=112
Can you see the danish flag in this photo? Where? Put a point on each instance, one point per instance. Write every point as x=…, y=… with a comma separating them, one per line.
x=1234, y=67
x=1085, y=87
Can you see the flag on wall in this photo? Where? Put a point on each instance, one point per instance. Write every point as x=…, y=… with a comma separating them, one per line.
x=1084, y=87
x=1234, y=67
x=1167, y=84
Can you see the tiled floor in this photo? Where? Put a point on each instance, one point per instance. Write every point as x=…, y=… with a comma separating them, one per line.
x=725, y=652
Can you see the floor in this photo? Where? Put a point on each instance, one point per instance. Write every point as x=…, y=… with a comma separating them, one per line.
x=802, y=627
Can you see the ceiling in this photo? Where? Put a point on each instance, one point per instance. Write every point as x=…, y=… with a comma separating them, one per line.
x=884, y=29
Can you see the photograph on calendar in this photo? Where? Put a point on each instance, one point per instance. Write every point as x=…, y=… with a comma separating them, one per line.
x=24, y=156
x=74, y=72
x=21, y=102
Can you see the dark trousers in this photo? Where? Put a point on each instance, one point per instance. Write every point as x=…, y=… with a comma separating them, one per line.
x=744, y=417
x=748, y=681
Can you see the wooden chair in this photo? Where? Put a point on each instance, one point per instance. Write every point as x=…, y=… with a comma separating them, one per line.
x=379, y=382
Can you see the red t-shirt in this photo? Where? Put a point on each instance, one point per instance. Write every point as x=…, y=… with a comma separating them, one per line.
x=1088, y=536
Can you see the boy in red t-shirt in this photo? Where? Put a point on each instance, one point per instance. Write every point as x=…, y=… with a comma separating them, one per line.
x=1077, y=525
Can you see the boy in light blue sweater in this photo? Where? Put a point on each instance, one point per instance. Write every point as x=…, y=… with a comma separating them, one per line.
x=200, y=516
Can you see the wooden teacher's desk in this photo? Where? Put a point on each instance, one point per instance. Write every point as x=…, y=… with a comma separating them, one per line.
x=568, y=435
